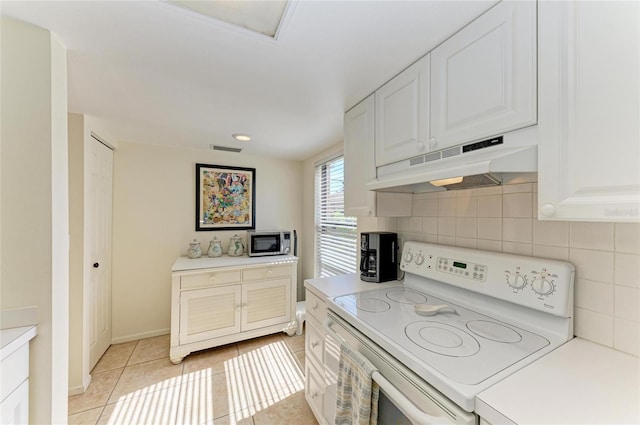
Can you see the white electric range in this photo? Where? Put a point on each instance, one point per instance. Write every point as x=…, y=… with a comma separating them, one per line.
x=499, y=312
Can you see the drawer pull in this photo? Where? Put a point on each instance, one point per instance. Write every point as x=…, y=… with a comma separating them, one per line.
x=269, y=272
x=314, y=395
x=315, y=306
x=314, y=344
x=212, y=279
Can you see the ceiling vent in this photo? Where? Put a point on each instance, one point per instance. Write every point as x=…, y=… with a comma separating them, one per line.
x=225, y=148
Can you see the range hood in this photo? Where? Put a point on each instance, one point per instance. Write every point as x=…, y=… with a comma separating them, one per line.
x=478, y=163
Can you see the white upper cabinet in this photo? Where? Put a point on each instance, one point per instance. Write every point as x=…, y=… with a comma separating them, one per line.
x=359, y=163
x=360, y=168
x=402, y=115
x=589, y=149
x=483, y=79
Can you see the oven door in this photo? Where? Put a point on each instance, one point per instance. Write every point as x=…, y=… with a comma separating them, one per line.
x=401, y=391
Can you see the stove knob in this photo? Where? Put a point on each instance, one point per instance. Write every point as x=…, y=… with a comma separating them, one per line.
x=516, y=281
x=542, y=286
x=408, y=256
x=419, y=259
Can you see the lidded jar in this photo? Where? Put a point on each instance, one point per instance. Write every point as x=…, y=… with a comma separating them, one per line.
x=236, y=248
x=215, y=248
x=194, y=249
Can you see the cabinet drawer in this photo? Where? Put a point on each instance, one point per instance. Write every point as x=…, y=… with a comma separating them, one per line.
x=268, y=272
x=14, y=370
x=204, y=280
x=314, y=340
x=314, y=392
x=316, y=307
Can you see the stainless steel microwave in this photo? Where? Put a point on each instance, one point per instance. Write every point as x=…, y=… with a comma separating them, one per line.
x=277, y=242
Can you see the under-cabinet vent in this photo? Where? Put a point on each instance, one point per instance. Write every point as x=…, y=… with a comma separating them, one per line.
x=417, y=160
x=432, y=157
x=225, y=148
x=448, y=153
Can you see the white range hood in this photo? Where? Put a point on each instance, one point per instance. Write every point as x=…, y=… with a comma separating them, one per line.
x=478, y=165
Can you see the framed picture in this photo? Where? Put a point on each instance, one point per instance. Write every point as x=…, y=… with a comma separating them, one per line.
x=225, y=197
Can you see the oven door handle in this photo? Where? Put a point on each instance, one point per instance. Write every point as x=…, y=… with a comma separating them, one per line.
x=413, y=413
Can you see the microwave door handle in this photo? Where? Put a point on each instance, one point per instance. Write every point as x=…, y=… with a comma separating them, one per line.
x=406, y=406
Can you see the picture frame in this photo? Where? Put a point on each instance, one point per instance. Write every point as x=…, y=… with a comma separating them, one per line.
x=225, y=197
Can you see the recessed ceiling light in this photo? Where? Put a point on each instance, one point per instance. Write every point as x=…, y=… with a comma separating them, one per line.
x=241, y=137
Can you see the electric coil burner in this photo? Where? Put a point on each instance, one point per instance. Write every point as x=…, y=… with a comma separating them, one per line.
x=495, y=313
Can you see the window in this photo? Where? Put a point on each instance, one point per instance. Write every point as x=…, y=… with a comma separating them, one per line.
x=336, y=235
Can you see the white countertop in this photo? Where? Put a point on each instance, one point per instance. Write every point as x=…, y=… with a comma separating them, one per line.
x=186, y=263
x=345, y=284
x=13, y=338
x=579, y=383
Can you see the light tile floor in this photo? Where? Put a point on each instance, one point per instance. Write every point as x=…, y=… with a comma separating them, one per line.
x=254, y=382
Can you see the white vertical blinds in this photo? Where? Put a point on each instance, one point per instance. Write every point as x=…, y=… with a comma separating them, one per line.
x=336, y=235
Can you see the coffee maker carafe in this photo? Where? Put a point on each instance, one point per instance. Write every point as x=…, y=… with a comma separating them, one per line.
x=378, y=256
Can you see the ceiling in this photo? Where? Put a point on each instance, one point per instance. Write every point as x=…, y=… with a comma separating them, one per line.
x=159, y=74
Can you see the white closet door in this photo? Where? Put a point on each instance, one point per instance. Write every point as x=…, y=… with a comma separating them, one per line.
x=483, y=79
x=209, y=313
x=266, y=303
x=98, y=227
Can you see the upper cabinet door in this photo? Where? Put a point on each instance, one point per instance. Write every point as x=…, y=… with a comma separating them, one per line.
x=359, y=163
x=402, y=115
x=589, y=148
x=483, y=79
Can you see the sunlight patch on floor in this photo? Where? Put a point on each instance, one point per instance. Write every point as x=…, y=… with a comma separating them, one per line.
x=251, y=382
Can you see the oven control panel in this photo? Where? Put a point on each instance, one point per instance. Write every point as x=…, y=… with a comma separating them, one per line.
x=539, y=283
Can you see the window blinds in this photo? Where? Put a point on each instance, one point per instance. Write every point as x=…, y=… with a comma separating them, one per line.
x=336, y=235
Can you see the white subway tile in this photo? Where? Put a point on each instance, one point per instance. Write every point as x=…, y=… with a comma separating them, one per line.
x=489, y=245
x=416, y=207
x=489, y=206
x=446, y=226
x=431, y=238
x=591, y=235
x=627, y=238
x=553, y=252
x=430, y=208
x=415, y=224
x=466, y=193
x=627, y=269
x=491, y=190
x=517, y=188
x=446, y=240
x=627, y=336
x=447, y=194
x=417, y=197
x=517, y=205
x=517, y=230
x=534, y=187
x=402, y=223
x=517, y=248
x=447, y=207
x=592, y=265
x=594, y=296
x=467, y=242
x=430, y=195
x=467, y=206
x=490, y=228
x=554, y=233
x=596, y=327
x=466, y=227
x=430, y=225
x=627, y=303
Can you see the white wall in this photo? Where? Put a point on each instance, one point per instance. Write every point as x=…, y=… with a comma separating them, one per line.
x=606, y=255
x=154, y=221
x=307, y=248
x=34, y=230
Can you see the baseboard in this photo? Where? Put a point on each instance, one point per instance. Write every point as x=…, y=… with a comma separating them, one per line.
x=135, y=337
x=80, y=389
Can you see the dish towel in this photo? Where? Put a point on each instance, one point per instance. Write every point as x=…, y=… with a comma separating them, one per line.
x=357, y=393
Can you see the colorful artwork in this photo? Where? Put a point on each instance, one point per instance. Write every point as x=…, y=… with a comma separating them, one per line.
x=225, y=197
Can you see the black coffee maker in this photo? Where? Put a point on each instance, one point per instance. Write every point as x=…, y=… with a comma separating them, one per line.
x=378, y=256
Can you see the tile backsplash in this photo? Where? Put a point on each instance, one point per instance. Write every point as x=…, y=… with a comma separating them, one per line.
x=503, y=218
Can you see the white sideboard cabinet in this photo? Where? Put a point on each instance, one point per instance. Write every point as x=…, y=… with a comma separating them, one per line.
x=589, y=97
x=216, y=301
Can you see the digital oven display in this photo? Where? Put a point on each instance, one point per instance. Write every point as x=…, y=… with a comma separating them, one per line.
x=459, y=265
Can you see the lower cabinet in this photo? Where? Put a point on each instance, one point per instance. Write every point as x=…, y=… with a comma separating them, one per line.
x=316, y=383
x=220, y=305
